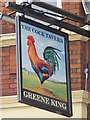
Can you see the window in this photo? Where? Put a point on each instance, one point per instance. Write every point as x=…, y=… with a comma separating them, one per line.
x=57, y=3
x=86, y=5
x=53, y=2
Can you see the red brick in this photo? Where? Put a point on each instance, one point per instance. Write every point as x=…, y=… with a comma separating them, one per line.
x=13, y=76
x=0, y=73
x=75, y=80
x=0, y=63
x=5, y=77
x=5, y=68
x=75, y=75
x=0, y=77
x=75, y=70
x=0, y=59
x=5, y=72
x=6, y=92
x=0, y=49
x=0, y=82
x=5, y=27
x=7, y=30
x=78, y=61
x=5, y=58
x=5, y=63
x=74, y=7
x=75, y=65
x=15, y=81
x=13, y=85
x=0, y=68
x=15, y=90
x=75, y=57
x=76, y=85
x=5, y=54
x=5, y=49
x=7, y=81
x=12, y=69
x=73, y=61
x=13, y=62
x=0, y=54
x=5, y=86
x=12, y=47
x=0, y=92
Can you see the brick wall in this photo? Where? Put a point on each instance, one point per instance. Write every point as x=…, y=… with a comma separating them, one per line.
x=88, y=60
x=79, y=56
x=73, y=6
x=88, y=108
x=5, y=27
x=77, y=64
x=8, y=80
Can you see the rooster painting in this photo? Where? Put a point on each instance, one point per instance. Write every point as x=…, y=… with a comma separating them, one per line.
x=43, y=69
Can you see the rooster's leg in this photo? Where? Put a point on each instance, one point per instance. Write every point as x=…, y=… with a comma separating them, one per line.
x=41, y=86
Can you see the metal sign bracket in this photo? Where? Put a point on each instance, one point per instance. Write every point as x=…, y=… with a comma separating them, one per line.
x=50, y=17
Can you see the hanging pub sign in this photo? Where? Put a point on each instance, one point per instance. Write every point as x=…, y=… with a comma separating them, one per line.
x=43, y=70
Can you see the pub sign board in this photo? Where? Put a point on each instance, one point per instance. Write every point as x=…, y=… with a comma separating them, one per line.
x=43, y=70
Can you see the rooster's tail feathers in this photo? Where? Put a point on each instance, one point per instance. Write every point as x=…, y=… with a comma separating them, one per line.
x=52, y=57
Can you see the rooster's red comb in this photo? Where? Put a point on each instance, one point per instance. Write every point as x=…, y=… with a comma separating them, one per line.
x=30, y=37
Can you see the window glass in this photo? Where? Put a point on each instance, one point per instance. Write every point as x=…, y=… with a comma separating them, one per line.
x=52, y=2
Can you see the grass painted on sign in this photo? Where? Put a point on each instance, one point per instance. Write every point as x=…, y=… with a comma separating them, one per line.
x=30, y=80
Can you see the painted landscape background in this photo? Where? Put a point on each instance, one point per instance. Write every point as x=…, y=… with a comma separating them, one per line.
x=52, y=89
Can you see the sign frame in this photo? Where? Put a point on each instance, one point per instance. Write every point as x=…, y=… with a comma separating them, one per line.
x=20, y=89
